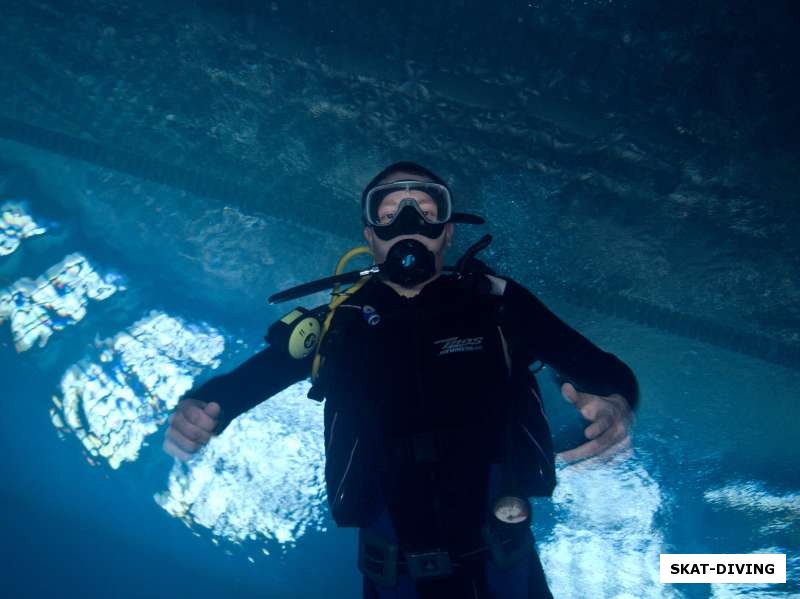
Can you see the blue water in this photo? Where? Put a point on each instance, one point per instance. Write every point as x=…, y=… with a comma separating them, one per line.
x=95, y=531
x=174, y=280
x=709, y=472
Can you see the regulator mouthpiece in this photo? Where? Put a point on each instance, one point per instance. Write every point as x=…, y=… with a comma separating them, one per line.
x=409, y=263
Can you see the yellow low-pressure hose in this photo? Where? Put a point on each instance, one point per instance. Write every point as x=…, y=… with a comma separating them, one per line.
x=336, y=299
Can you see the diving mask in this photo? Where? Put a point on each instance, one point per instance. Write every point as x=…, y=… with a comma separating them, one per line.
x=409, y=219
x=384, y=202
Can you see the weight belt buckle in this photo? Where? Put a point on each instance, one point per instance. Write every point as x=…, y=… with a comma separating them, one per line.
x=428, y=564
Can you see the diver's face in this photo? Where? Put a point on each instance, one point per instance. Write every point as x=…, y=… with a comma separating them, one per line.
x=388, y=208
x=380, y=248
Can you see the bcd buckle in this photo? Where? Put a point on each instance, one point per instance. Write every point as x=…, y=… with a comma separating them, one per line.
x=428, y=564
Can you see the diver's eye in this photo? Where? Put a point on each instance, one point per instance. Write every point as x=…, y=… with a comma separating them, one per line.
x=387, y=218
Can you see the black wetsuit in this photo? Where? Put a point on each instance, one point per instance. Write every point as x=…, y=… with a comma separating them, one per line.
x=415, y=407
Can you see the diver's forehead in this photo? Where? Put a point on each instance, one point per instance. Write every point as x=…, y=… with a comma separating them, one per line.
x=403, y=176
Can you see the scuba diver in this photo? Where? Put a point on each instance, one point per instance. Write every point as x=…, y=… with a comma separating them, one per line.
x=435, y=433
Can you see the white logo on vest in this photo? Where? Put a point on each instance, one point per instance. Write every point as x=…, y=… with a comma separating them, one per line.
x=452, y=345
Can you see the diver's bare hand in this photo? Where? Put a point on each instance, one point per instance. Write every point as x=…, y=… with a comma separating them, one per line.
x=191, y=426
x=611, y=418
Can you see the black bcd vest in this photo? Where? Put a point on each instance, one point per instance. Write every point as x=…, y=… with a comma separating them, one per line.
x=426, y=385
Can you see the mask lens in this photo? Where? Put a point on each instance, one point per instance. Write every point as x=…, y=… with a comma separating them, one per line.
x=384, y=202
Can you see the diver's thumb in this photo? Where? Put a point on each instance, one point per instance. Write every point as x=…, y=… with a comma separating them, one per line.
x=569, y=392
x=213, y=409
